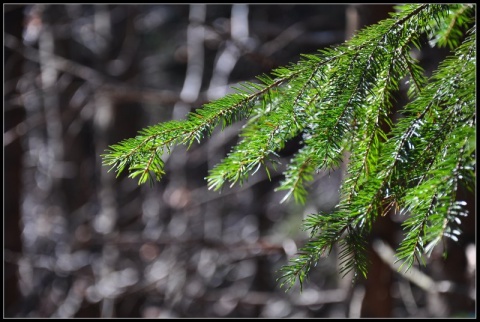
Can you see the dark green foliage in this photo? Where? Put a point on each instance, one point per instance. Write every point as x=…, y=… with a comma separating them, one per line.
x=340, y=101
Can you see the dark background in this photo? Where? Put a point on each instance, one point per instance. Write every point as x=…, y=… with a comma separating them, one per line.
x=79, y=242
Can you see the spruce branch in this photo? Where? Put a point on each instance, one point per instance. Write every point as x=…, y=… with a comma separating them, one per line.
x=340, y=100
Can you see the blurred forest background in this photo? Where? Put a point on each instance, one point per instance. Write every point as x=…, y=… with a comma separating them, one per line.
x=79, y=242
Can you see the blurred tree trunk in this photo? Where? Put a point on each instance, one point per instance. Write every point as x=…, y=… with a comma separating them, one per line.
x=377, y=301
x=14, y=117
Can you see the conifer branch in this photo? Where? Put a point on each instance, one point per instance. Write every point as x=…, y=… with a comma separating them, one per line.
x=340, y=100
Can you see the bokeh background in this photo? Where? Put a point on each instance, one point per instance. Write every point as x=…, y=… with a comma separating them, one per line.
x=79, y=242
